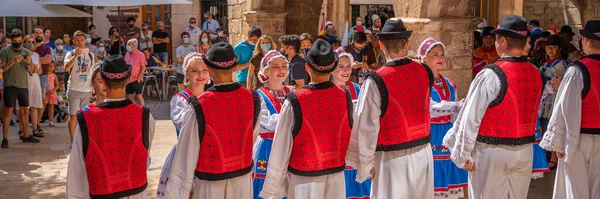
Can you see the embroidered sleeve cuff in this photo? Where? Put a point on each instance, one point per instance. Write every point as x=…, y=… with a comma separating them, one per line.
x=273, y=188
x=552, y=143
x=177, y=188
x=364, y=169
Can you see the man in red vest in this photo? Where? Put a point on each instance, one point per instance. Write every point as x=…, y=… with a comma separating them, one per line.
x=110, y=151
x=574, y=128
x=390, y=141
x=217, y=136
x=494, y=131
x=312, y=135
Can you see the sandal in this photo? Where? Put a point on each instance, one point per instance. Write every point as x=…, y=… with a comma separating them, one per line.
x=39, y=128
x=553, y=165
x=21, y=135
x=51, y=124
x=38, y=134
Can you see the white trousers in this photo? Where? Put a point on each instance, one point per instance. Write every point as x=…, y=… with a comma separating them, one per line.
x=234, y=188
x=500, y=171
x=332, y=186
x=580, y=178
x=403, y=174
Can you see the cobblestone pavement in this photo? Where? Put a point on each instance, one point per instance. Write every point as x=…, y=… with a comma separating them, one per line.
x=39, y=170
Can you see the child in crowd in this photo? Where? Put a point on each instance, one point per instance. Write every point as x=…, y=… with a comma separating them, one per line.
x=51, y=96
x=63, y=104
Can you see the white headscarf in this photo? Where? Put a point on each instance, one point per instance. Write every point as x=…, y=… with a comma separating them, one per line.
x=265, y=63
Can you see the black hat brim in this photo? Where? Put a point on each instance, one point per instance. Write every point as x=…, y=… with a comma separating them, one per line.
x=508, y=33
x=589, y=34
x=394, y=35
x=215, y=66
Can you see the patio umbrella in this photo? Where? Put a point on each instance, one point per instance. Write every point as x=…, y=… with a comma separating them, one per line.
x=117, y=3
x=35, y=8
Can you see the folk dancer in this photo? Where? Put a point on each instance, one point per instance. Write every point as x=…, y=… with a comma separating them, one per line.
x=312, y=134
x=273, y=70
x=390, y=140
x=217, y=136
x=574, y=129
x=540, y=162
x=341, y=78
x=448, y=180
x=494, y=131
x=112, y=141
x=195, y=79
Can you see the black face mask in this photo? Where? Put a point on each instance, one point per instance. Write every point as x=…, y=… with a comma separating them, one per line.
x=39, y=39
x=16, y=45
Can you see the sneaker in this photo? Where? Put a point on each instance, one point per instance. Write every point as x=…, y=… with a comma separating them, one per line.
x=4, y=143
x=51, y=124
x=31, y=139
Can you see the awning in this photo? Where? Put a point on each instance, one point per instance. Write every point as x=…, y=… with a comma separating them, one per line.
x=371, y=2
x=35, y=8
x=115, y=2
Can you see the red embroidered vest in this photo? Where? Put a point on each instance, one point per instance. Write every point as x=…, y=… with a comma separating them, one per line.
x=590, y=106
x=404, y=87
x=511, y=118
x=446, y=93
x=226, y=116
x=322, y=127
x=115, y=148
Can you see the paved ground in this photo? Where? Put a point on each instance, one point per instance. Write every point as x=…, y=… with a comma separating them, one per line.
x=39, y=170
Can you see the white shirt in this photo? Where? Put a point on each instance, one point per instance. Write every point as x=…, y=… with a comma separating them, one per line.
x=77, y=181
x=564, y=126
x=460, y=139
x=81, y=70
x=194, y=34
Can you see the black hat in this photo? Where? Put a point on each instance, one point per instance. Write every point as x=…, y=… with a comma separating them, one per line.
x=221, y=56
x=321, y=57
x=512, y=26
x=554, y=40
x=394, y=29
x=331, y=33
x=545, y=34
x=591, y=30
x=566, y=29
x=487, y=31
x=115, y=69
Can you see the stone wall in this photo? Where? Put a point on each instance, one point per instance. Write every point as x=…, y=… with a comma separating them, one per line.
x=303, y=16
x=449, y=21
x=180, y=15
x=269, y=15
x=548, y=12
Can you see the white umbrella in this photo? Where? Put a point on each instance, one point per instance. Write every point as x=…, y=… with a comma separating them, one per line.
x=34, y=8
x=115, y=2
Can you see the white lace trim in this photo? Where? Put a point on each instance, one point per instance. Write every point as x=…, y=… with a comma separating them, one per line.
x=537, y=175
x=454, y=193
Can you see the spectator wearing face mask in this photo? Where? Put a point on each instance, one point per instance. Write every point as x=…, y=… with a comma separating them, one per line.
x=193, y=31
x=58, y=57
x=180, y=53
x=264, y=45
x=210, y=25
x=357, y=23
x=364, y=56
x=89, y=44
x=243, y=51
x=102, y=52
x=146, y=37
x=205, y=43
x=133, y=32
x=221, y=37
x=94, y=34
x=160, y=38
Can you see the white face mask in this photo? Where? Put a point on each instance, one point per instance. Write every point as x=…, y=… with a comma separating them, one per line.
x=59, y=47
